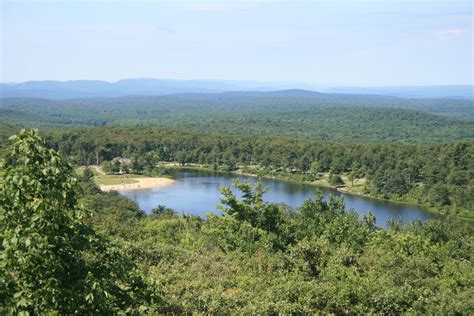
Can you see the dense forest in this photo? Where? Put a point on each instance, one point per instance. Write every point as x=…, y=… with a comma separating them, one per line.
x=438, y=175
x=293, y=114
x=69, y=248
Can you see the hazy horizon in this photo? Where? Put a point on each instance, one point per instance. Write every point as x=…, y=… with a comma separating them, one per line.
x=337, y=43
x=243, y=81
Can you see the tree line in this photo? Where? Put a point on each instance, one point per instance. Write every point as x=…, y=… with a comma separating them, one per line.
x=439, y=175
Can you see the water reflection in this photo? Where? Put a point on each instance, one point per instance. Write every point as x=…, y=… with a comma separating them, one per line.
x=197, y=192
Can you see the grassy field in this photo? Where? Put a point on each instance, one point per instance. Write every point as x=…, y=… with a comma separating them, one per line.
x=109, y=179
x=112, y=179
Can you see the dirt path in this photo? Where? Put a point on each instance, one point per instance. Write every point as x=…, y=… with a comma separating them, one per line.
x=99, y=170
x=143, y=183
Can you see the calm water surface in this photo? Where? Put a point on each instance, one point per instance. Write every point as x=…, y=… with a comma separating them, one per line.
x=197, y=193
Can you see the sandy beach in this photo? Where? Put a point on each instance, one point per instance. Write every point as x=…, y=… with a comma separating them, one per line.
x=143, y=183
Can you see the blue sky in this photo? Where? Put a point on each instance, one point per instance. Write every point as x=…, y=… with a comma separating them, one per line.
x=336, y=42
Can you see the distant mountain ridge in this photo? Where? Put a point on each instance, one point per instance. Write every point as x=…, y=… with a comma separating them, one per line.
x=126, y=87
x=49, y=89
x=445, y=92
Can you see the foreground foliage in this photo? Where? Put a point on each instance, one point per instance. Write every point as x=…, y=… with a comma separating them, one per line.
x=51, y=260
x=260, y=257
x=257, y=257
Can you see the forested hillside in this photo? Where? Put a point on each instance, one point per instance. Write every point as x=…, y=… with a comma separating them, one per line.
x=108, y=257
x=294, y=114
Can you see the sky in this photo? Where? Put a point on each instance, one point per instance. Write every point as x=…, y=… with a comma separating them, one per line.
x=318, y=42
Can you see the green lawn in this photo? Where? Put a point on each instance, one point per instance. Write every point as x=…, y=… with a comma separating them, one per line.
x=109, y=179
x=115, y=179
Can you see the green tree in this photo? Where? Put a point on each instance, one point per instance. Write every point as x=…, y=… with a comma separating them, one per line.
x=314, y=168
x=335, y=180
x=137, y=166
x=253, y=209
x=51, y=260
x=115, y=168
x=106, y=166
x=439, y=195
x=88, y=174
x=163, y=211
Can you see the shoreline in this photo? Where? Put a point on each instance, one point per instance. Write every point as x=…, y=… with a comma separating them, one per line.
x=143, y=183
x=149, y=183
x=344, y=190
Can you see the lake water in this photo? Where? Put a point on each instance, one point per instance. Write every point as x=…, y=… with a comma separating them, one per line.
x=197, y=192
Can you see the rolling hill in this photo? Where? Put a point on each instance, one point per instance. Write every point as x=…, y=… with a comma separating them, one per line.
x=296, y=114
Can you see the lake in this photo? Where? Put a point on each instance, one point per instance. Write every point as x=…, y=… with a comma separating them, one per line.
x=197, y=193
